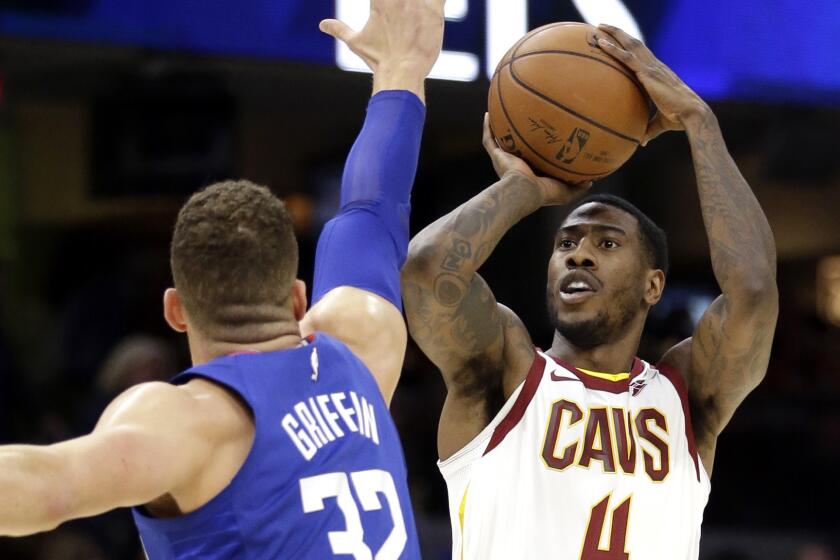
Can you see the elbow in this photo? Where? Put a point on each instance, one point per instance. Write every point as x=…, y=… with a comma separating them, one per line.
x=421, y=259
x=761, y=291
x=417, y=278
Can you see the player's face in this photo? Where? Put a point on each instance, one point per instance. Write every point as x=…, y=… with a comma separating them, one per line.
x=597, y=275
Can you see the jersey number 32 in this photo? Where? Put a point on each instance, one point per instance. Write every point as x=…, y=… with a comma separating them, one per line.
x=368, y=485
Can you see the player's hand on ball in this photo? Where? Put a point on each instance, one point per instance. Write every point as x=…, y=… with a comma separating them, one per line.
x=672, y=97
x=399, y=36
x=553, y=191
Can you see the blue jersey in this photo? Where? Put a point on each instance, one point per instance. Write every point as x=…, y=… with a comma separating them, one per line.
x=325, y=478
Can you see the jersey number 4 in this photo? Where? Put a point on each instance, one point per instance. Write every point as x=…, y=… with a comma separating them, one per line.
x=618, y=532
x=368, y=485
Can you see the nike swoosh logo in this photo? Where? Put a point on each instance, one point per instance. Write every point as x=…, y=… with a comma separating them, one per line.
x=558, y=378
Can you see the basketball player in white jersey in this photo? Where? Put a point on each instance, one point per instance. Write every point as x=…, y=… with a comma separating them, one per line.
x=585, y=452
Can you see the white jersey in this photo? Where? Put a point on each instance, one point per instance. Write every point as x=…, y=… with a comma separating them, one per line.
x=581, y=466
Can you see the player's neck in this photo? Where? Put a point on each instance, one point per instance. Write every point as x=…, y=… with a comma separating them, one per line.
x=278, y=336
x=614, y=357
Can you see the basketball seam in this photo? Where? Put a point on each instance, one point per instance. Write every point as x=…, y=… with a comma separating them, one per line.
x=618, y=69
x=528, y=37
x=518, y=45
x=567, y=109
x=524, y=141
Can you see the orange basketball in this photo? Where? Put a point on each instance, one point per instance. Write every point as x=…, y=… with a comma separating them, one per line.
x=565, y=106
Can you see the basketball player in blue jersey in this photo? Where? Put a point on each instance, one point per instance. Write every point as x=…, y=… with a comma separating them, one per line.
x=277, y=443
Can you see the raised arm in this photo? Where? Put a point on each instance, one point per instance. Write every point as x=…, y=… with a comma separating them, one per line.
x=481, y=348
x=727, y=356
x=356, y=293
x=147, y=444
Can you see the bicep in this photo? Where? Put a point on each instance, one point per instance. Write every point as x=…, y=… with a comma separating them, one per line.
x=371, y=326
x=730, y=351
x=476, y=343
x=458, y=325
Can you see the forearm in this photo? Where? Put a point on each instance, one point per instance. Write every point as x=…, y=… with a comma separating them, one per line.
x=741, y=242
x=461, y=241
x=365, y=245
x=30, y=503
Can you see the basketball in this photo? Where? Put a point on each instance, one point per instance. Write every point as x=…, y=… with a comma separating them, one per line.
x=565, y=106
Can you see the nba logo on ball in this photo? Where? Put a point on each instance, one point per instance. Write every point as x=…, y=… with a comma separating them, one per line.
x=573, y=146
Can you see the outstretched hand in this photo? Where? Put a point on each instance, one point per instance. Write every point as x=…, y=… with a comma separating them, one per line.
x=400, y=42
x=554, y=192
x=673, y=98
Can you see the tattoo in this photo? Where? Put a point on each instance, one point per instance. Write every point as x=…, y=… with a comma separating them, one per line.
x=452, y=314
x=450, y=289
x=454, y=259
x=740, y=239
x=477, y=324
x=731, y=345
x=729, y=359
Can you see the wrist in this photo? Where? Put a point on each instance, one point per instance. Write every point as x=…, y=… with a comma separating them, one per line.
x=533, y=196
x=399, y=75
x=700, y=117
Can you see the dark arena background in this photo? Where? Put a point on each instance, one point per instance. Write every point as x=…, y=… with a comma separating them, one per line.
x=113, y=111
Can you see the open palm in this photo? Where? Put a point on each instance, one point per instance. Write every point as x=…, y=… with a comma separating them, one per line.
x=407, y=34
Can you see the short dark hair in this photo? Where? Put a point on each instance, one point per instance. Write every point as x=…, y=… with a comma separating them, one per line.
x=234, y=255
x=653, y=237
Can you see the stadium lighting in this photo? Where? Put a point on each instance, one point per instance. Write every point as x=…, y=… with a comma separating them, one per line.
x=507, y=21
x=456, y=10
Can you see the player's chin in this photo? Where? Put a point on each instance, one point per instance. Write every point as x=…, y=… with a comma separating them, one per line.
x=577, y=314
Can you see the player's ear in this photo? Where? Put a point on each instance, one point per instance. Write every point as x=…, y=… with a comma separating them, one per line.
x=299, y=299
x=173, y=311
x=654, y=285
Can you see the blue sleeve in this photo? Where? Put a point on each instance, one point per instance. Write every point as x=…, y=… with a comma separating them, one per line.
x=365, y=244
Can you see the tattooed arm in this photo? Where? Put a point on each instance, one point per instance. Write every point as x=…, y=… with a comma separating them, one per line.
x=481, y=348
x=731, y=344
x=727, y=356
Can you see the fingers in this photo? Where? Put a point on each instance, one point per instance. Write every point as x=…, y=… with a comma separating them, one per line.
x=337, y=29
x=579, y=189
x=655, y=128
x=487, y=138
x=624, y=39
x=559, y=192
x=658, y=126
x=629, y=59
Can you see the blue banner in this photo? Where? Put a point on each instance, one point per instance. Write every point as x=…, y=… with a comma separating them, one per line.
x=776, y=50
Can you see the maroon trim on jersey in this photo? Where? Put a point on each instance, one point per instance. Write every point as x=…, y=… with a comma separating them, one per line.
x=678, y=382
x=598, y=384
x=515, y=414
